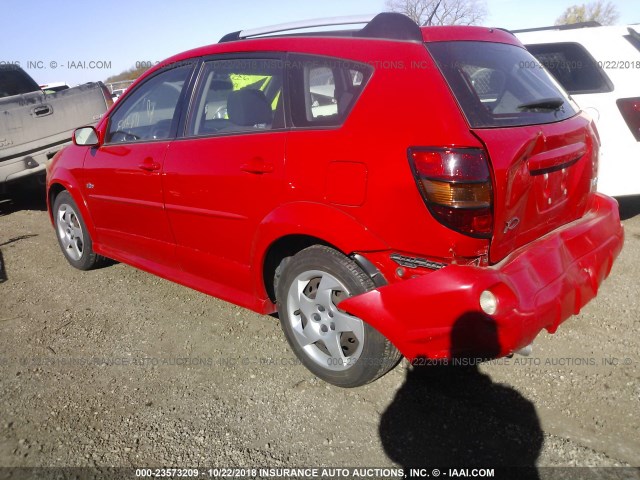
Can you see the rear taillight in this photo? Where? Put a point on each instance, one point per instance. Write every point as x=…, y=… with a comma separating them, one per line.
x=630, y=110
x=455, y=184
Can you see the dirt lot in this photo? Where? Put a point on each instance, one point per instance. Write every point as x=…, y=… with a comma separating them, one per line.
x=116, y=367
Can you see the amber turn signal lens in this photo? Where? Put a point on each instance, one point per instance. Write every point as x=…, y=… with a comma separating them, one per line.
x=458, y=195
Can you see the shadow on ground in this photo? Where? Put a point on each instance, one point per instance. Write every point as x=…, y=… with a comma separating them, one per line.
x=27, y=194
x=3, y=272
x=629, y=207
x=456, y=417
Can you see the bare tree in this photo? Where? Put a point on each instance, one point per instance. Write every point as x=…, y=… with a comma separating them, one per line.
x=599, y=11
x=441, y=12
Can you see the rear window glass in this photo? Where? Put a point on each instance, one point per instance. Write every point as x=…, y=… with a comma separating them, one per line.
x=575, y=69
x=13, y=81
x=499, y=85
x=324, y=90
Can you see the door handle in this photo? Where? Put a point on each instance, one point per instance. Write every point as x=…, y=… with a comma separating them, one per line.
x=42, y=111
x=258, y=166
x=149, y=165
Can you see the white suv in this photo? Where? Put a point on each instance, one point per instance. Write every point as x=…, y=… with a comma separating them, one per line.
x=600, y=67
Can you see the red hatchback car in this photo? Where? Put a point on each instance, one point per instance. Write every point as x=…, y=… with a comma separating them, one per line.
x=393, y=190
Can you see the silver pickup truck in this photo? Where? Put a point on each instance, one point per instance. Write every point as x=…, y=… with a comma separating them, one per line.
x=35, y=125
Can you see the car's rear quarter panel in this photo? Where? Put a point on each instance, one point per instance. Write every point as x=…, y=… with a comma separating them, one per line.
x=406, y=103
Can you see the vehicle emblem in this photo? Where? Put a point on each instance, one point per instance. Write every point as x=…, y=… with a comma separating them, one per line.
x=511, y=224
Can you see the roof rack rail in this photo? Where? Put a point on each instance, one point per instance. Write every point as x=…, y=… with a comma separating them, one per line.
x=386, y=25
x=569, y=26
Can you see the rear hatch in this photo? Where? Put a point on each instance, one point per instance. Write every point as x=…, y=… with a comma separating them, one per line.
x=543, y=153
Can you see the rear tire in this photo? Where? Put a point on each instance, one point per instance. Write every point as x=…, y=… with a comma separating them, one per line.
x=71, y=231
x=335, y=346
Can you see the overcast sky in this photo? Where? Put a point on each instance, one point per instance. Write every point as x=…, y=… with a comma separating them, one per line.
x=78, y=41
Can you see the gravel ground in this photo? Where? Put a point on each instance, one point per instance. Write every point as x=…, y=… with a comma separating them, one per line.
x=116, y=367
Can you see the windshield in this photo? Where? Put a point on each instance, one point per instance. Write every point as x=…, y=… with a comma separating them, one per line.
x=498, y=85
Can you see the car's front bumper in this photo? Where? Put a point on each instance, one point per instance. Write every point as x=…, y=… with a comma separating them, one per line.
x=438, y=315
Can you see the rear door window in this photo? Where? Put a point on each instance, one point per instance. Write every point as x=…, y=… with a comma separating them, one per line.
x=575, y=69
x=499, y=85
x=238, y=95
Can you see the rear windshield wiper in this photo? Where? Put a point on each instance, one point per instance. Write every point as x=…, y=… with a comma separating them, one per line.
x=552, y=103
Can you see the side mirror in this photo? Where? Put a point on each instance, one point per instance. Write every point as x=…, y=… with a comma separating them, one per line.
x=86, y=137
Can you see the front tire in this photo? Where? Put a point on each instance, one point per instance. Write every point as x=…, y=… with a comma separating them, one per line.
x=71, y=231
x=337, y=347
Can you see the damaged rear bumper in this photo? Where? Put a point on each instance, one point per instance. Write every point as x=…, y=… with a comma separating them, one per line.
x=438, y=315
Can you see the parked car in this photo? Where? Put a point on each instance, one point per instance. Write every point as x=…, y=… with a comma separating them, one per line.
x=389, y=190
x=35, y=125
x=600, y=67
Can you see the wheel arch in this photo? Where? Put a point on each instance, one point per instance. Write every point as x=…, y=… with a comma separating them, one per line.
x=57, y=186
x=282, y=248
x=294, y=227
